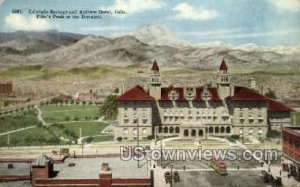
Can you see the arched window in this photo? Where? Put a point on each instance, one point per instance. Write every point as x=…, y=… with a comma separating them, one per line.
x=228, y=129
x=211, y=130
x=217, y=130
x=222, y=129
x=260, y=132
x=177, y=130
x=193, y=132
x=165, y=129
x=144, y=131
x=125, y=131
x=171, y=130
x=186, y=132
x=159, y=129
x=250, y=132
x=200, y=132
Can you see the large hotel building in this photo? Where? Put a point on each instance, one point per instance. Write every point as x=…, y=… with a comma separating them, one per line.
x=197, y=112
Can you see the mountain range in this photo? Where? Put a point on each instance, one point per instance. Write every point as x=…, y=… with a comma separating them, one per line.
x=61, y=49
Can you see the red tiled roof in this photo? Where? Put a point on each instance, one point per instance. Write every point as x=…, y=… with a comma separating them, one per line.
x=247, y=94
x=223, y=65
x=136, y=93
x=155, y=66
x=165, y=94
x=275, y=106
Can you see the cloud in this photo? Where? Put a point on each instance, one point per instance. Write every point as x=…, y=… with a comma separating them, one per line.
x=19, y=22
x=188, y=12
x=291, y=5
x=135, y=6
x=210, y=33
x=239, y=33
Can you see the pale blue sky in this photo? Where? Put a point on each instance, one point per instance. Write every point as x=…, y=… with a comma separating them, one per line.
x=267, y=22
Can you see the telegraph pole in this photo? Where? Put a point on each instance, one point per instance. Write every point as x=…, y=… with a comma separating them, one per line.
x=138, y=142
x=8, y=141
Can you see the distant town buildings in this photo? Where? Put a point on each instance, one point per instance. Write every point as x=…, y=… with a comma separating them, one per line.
x=198, y=112
x=90, y=96
x=291, y=151
x=6, y=88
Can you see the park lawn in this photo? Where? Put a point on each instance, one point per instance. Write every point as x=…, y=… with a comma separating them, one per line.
x=59, y=113
x=88, y=128
x=17, y=120
x=50, y=135
x=30, y=137
x=54, y=107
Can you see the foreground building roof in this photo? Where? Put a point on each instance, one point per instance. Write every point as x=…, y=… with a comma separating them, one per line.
x=275, y=106
x=246, y=94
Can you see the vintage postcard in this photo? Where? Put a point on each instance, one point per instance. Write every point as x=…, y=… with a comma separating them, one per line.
x=155, y=93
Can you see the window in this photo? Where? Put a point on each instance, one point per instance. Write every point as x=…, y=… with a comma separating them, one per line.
x=186, y=132
x=135, y=121
x=134, y=130
x=165, y=129
x=171, y=130
x=217, y=130
x=144, y=131
x=177, y=130
x=193, y=132
x=145, y=121
x=228, y=129
x=250, y=132
x=165, y=118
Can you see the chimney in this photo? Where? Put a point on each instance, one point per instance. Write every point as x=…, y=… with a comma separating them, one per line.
x=252, y=83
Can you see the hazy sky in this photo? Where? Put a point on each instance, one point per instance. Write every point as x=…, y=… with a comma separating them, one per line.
x=267, y=22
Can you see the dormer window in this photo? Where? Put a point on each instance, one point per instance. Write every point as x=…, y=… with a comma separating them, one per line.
x=189, y=93
x=206, y=95
x=173, y=95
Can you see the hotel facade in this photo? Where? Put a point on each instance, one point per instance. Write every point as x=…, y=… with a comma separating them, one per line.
x=197, y=112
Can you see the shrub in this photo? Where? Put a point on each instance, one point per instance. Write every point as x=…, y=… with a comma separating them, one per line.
x=119, y=139
x=89, y=139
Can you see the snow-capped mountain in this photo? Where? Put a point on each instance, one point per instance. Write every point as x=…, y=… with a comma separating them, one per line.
x=140, y=47
x=158, y=35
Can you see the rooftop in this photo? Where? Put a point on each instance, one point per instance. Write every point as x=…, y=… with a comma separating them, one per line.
x=294, y=129
x=275, y=106
x=136, y=93
x=155, y=66
x=223, y=66
x=89, y=168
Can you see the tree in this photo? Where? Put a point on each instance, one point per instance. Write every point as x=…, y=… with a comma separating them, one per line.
x=110, y=108
x=119, y=139
x=271, y=94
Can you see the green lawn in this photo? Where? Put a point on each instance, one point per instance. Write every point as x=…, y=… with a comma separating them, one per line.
x=50, y=135
x=17, y=120
x=58, y=113
x=87, y=128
